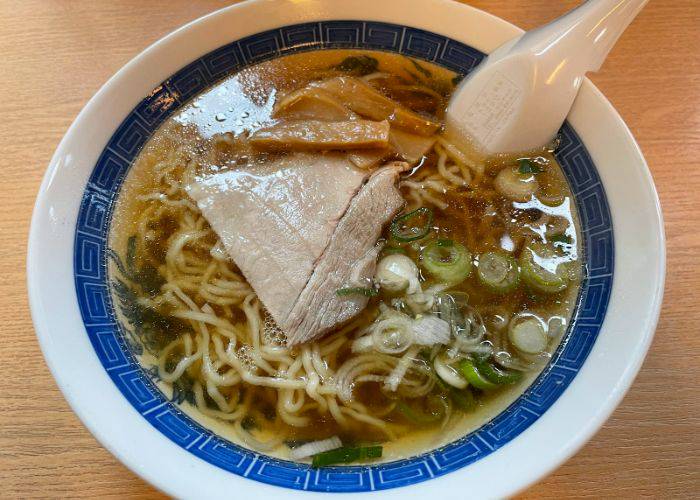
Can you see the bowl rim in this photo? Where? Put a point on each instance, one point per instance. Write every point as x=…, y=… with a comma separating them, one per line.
x=591, y=102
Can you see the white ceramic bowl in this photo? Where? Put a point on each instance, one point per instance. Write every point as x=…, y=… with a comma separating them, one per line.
x=588, y=377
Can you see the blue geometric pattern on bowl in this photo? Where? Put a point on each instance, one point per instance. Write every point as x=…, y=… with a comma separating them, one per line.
x=98, y=314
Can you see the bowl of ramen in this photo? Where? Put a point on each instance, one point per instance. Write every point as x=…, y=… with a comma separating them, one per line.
x=258, y=261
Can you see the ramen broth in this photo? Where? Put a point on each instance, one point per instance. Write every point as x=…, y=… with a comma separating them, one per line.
x=167, y=262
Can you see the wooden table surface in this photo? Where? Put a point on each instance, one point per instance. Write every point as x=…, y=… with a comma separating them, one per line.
x=55, y=54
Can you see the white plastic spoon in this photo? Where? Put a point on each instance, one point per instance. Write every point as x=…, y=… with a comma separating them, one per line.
x=517, y=99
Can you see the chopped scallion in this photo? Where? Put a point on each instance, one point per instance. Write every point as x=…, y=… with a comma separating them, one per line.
x=543, y=270
x=451, y=263
x=527, y=334
x=474, y=377
x=560, y=238
x=498, y=271
x=367, y=292
x=412, y=226
x=391, y=250
x=463, y=399
x=346, y=455
x=529, y=167
x=441, y=385
x=417, y=416
x=359, y=65
x=495, y=375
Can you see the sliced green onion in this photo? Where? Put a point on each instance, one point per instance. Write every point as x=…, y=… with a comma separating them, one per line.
x=412, y=226
x=442, y=385
x=367, y=292
x=495, y=375
x=424, y=354
x=515, y=185
x=391, y=250
x=528, y=335
x=498, y=271
x=417, y=416
x=561, y=238
x=448, y=374
x=358, y=65
x=528, y=167
x=449, y=263
x=424, y=71
x=551, y=279
x=452, y=299
x=474, y=377
x=464, y=400
x=346, y=455
x=454, y=308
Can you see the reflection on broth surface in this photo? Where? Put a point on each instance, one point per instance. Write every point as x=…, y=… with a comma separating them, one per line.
x=475, y=278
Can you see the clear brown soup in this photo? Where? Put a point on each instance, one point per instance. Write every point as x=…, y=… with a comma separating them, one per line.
x=167, y=262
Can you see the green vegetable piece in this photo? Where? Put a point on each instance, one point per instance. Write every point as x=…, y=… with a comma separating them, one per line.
x=527, y=334
x=417, y=416
x=412, y=226
x=183, y=390
x=464, y=399
x=560, y=239
x=495, y=375
x=391, y=250
x=498, y=272
x=451, y=263
x=149, y=328
x=474, y=377
x=424, y=71
x=528, y=167
x=150, y=280
x=359, y=65
x=367, y=292
x=345, y=455
x=543, y=270
x=441, y=384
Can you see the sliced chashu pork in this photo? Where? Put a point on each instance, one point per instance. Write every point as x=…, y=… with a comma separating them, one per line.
x=349, y=259
x=276, y=220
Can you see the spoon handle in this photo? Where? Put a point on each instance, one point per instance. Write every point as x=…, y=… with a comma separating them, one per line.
x=518, y=97
x=602, y=22
x=564, y=50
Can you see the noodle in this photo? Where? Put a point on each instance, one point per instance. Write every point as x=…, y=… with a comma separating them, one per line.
x=214, y=338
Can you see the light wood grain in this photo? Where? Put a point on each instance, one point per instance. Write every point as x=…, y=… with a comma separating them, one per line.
x=55, y=54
